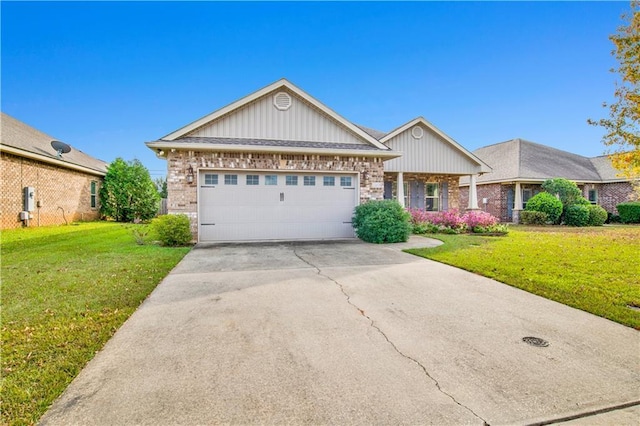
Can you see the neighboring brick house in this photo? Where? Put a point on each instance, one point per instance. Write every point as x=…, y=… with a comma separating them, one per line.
x=520, y=167
x=63, y=188
x=278, y=164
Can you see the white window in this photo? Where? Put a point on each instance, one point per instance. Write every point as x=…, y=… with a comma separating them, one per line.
x=345, y=181
x=94, y=194
x=593, y=196
x=309, y=181
x=271, y=180
x=291, y=180
x=431, y=197
x=230, y=179
x=210, y=179
x=328, y=181
x=253, y=180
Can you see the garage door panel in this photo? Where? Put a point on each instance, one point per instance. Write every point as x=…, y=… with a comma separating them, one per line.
x=244, y=212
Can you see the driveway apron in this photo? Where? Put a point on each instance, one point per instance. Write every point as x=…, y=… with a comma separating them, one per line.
x=346, y=332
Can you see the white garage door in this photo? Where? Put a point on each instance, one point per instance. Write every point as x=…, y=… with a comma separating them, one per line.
x=247, y=206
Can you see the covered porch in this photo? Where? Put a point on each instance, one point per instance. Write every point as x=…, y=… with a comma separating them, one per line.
x=426, y=191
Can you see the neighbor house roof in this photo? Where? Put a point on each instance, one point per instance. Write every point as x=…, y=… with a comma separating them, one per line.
x=522, y=160
x=23, y=140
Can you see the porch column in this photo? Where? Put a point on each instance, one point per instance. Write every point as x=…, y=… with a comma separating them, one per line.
x=473, y=194
x=400, y=189
x=517, y=203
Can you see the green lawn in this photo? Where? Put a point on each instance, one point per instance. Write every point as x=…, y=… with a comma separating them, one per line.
x=596, y=269
x=65, y=291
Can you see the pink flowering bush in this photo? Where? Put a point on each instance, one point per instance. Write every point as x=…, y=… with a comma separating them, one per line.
x=479, y=218
x=452, y=222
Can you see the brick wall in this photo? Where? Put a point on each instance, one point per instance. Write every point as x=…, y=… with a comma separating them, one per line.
x=183, y=195
x=496, y=195
x=612, y=194
x=57, y=190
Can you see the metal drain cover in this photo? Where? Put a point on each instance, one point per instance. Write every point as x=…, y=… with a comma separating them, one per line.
x=536, y=341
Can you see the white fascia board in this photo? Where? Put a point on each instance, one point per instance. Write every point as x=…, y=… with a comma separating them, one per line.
x=49, y=160
x=484, y=167
x=264, y=91
x=159, y=145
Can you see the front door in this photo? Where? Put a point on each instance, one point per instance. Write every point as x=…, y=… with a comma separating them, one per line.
x=416, y=192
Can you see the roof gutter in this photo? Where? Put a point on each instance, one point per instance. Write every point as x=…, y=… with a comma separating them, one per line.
x=160, y=146
x=55, y=161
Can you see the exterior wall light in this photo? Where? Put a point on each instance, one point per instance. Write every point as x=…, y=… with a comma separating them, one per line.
x=190, y=175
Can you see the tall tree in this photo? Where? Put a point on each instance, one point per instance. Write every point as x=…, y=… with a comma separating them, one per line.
x=623, y=124
x=128, y=193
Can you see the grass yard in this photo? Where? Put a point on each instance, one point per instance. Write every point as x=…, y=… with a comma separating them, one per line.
x=65, y=291
x=596, y=269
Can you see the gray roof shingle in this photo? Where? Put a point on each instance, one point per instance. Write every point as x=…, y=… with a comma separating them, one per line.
x=272, y=142
x=520, y=159
x=17, y=134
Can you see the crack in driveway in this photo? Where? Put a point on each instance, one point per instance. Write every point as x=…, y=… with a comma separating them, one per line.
x=395, y=348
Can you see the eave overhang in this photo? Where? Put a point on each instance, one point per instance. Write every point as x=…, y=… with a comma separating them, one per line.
x=51, y=160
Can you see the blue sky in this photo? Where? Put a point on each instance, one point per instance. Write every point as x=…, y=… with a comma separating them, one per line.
x=107, y=77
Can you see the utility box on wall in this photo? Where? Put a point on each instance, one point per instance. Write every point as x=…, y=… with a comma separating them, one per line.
x=29, y=198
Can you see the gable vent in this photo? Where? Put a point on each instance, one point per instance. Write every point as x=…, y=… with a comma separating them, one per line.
x=417, y=132
x=282, y=101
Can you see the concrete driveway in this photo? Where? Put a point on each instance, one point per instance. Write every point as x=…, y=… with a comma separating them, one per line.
x=351, y=333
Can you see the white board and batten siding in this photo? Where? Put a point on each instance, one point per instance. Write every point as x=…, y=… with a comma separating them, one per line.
x=261, y=119
x=428, y=154
x=266, y=205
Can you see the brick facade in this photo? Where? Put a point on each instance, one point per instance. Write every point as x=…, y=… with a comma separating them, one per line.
x=60, y=193
x=183, y=196
x=609, y=195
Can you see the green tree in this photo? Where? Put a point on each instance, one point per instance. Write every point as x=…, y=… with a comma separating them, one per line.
x=161, y=184
x=623, y=124
x=128, y=193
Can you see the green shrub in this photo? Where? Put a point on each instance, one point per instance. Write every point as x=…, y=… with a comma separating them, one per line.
x=577, y=215
x=629, y=212
x=567, y=190
x=533, y=217
x=613, y=218
x=382, y=222
x=546, y=203
x=172, y=229
x=597, y=215
x=424, y=228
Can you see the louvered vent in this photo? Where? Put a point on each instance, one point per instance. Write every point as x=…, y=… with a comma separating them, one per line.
x=417, y=132
x=282, y=101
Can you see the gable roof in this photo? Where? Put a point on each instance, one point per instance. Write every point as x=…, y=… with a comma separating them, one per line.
x=23, y=140
x=484, y=168
x=276, y=86
x=522, y=160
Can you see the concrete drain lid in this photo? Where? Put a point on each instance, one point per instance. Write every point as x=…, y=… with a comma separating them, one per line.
x=536, y=341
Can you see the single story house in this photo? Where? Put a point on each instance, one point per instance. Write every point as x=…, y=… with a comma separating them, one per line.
x=42, y=186
x=280, y=165
x=520, y=167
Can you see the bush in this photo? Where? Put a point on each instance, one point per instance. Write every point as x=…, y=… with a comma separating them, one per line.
x=424, y=228
x=172, y=229
x=382, y=222
x=613, y=218
x=597, y=215
x=577, y=215
x=482, y=219
x=546, y=203
x=533, y=217
x=567, y=190
x=629, y=212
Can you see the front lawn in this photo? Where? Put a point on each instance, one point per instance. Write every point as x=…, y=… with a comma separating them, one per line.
x=596, y=269
x=65, y=291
